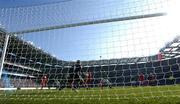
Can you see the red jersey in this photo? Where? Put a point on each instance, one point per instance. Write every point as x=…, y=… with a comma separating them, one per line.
x=44, y=80
x=141, y=77
x=89, y=75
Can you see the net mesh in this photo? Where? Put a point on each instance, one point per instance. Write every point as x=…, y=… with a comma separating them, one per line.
x=122, y=46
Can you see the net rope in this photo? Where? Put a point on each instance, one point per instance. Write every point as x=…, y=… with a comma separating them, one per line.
x=124, y=51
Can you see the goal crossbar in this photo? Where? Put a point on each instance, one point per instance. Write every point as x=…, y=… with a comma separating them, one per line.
x=89, y=23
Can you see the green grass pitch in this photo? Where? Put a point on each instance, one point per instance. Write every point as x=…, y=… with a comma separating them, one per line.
x=116, y=95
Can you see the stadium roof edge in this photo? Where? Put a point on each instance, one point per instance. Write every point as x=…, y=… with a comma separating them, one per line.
x=2, y=30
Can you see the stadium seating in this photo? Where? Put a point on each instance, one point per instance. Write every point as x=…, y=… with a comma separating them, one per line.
x=118, y=71
x=166, y=71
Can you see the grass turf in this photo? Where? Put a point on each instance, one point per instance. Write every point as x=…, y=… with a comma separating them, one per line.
x=116, y=95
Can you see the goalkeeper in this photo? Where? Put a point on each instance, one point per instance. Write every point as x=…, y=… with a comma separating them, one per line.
x=77, y=76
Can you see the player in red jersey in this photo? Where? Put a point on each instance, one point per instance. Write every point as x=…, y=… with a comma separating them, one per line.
x=88, y=79
x=44, y=81
x=141, y=79
x=151, y=79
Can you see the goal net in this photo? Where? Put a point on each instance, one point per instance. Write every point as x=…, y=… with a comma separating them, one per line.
x=90, y=49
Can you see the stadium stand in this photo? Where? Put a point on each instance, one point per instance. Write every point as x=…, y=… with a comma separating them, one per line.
x=171, y=49
x=120, y=72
